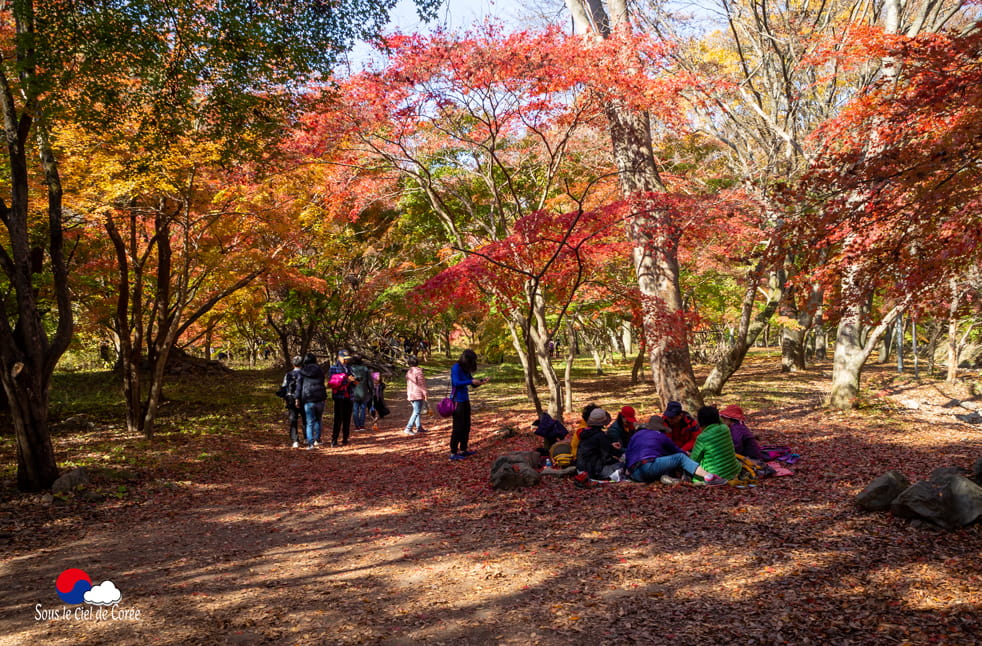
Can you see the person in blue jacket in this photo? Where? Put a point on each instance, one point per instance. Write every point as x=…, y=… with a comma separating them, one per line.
x=461, y=381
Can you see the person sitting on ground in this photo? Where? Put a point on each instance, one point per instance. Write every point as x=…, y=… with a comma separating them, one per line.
x=574, y=441
x=681, y=427
x=651, y=455
x=596, y=455
x=622, y=428
x=744, y=441
x=713, y=449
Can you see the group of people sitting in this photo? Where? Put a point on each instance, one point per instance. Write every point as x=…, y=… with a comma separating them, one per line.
x=714, y=448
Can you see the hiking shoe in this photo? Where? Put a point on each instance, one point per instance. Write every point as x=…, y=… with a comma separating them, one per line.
x=669, y=480
x=713, y=480
x=458, y=456
x=310, y=447
x=409, y=432
x=296, y=445
x=334, y=445
x=468, y=454
x=420, y=430
x=317, y=443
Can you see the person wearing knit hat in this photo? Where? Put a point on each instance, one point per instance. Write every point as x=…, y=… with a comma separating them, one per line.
x=574, y=441
x=682, y=428
x=744, y=441
x=596, y=456
x=622, y=428
x=598, y=417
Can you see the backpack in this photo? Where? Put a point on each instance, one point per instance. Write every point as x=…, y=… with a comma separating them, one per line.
x=551, y=429
x=561, y=455
x=748, y=472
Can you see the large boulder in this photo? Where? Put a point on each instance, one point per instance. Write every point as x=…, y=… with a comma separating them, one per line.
x=879, y=494
x=948, y=500
x=977, y=472
x=516, y=470
x=70, y=480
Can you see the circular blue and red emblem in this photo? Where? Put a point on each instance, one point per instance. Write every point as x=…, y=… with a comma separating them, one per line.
x=72, y=584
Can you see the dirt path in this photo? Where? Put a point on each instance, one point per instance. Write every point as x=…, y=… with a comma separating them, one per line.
x=386, y=542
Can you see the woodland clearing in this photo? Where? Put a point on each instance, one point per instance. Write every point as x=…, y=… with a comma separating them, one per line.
x=218, y=533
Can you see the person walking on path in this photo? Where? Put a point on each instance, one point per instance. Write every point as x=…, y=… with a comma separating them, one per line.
x=461, y=381
x=362, y=392
x=312, y=395
x=416, y=394
x=295, y=418
x=340, y=382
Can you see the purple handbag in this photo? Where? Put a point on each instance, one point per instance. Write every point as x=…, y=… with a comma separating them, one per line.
x=447, y=405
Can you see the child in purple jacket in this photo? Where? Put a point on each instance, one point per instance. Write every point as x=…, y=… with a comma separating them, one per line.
x=744, y=442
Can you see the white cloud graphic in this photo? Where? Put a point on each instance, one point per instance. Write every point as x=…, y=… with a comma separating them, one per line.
x=104, y=594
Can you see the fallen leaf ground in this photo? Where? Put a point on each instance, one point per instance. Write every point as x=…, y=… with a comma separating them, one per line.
x=218, y=533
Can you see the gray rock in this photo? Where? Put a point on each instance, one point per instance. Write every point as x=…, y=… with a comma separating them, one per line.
x=516, y=470
x=879, y=494
x=70, y=480
x=977, y=472
x=531, y=458
x=950, y=501
x=943, y=474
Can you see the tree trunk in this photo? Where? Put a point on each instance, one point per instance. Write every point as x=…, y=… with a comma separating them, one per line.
x=27, y=395
x=518, y=329
x=539, y=338
x=953, y=350
x=568, y=372
x=899, y=332
x=637, y=369
x=652, y=229
x=851, y=352
x=747, y=334
x=28, y=354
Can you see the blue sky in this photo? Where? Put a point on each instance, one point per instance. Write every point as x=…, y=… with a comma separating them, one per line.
x=458, y=15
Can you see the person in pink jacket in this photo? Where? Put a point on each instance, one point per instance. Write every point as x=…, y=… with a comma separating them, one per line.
x=416, y=394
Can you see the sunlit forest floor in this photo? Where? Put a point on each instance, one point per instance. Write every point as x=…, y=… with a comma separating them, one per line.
x=217, y=532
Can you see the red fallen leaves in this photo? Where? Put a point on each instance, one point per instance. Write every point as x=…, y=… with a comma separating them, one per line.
x=429, y=543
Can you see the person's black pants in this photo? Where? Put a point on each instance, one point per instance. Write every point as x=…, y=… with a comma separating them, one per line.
x=461, y=427
x=297, y=423
x=342, y=420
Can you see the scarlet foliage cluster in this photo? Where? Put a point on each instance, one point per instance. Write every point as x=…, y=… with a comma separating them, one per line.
x=903, y=166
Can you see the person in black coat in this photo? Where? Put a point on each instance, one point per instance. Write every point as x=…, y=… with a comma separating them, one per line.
x=312, y=395
x=296, y=422
x=596, y=455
